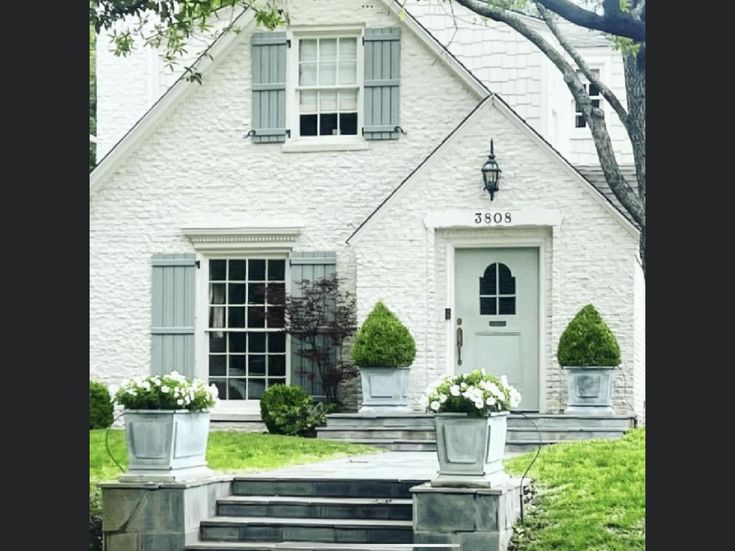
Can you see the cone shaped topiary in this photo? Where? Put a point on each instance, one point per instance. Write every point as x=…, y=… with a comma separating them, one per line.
x=383, y=341
x=587, y=341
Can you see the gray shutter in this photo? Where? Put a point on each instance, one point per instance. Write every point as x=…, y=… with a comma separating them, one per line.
x=172, y=321
x=312, y=266
x=269, y=87
x=382, y=80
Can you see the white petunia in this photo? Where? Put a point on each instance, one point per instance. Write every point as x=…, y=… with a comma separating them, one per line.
x=454, y=390
x=443, y=398
x=165, y=389
x=435, y=405
x=491, y=401
x=479, y=404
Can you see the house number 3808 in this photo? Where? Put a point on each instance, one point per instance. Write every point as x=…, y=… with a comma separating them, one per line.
x=492, y=218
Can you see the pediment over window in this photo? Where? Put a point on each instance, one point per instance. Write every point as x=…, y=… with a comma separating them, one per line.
x=255, y=237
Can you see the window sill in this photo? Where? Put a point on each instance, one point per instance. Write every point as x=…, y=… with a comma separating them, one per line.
x=306, y=146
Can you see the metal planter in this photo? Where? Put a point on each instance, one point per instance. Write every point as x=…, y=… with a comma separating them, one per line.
x=168, y=445
x=384, y=389
x=589, y=390
x=470, y=449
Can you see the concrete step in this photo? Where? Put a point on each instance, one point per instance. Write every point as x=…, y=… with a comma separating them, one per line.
x=376, y=433
x=308, y=530
x=314, y=487
x=315, y=507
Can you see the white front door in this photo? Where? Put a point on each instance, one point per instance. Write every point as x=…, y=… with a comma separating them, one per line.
x=497, y=316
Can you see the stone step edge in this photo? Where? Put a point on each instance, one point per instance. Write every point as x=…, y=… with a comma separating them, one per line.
x=510, y=429
x=308, y=546
x=318, y=522
x=338, y=480
x=511, y=417
x=305, y=500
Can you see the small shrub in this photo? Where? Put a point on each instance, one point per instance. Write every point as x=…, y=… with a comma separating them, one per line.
x=588, y=341
x=383, y=341
x=288, y=409
x=100, y=406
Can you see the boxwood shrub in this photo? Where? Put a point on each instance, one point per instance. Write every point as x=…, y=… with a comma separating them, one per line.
x=588, y=341
x=288, y=409
x=383, y=341
x=100, y=407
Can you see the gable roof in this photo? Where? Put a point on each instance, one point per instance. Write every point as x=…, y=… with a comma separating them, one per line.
x=593, y=174
x=598, y=193
x=219, y=49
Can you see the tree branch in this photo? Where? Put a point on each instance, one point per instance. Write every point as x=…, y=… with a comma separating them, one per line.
x=594, y=116
x=582, y=64
x=614, y=21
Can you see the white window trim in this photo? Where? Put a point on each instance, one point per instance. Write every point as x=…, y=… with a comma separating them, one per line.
x=322, y=143
x=584, y=132
x=233, y=243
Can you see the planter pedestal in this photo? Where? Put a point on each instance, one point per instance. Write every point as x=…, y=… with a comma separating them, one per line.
x=470, y=450
x=166, y=445
x=384, y=389
x=589, y=390
x=479, y=519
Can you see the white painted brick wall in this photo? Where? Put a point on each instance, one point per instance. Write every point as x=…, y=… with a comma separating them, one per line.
x=196, y=169
x=503, y=59
x=589, y=258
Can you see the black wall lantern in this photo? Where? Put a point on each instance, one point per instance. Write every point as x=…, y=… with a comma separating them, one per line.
x=491, y=173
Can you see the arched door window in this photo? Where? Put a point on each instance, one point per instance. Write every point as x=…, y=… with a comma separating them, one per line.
x=497, y=291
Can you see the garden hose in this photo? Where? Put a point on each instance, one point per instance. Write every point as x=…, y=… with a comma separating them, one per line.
x=538, y=451
x=107, y=444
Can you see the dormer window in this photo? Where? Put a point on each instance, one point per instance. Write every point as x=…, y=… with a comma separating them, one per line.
x=595, y=98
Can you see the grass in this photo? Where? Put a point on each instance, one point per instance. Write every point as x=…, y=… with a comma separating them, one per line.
x=229, y=452
x=591, y=495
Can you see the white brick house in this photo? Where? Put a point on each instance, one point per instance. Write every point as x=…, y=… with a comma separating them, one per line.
x=188, y=215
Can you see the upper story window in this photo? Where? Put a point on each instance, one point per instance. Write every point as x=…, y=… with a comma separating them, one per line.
x=328, y=86
x=595, y=98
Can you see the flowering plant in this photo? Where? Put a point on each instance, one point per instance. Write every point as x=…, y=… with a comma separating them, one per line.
x=170, y=391
x=477, y=393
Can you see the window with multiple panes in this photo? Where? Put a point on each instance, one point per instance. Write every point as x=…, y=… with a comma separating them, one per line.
x=595, y=98
x=246, y=339
x=497, y=291
x=328, y=86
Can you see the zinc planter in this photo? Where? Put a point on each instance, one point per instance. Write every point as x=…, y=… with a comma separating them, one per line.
x=384, y=389
x=470, y=449
x=166, y=445
x=589, y=390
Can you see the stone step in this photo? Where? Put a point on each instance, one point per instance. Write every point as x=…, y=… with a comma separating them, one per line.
x=395, y=445
x=305, y=529
x=516, y=435
x=314, y=487
x=353, y=420
x=564, y=422
x=315, y=546
x=315, y=507
x=376, y=433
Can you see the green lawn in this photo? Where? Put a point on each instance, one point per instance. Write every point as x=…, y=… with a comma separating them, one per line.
x=229, y=452
x=591, y=495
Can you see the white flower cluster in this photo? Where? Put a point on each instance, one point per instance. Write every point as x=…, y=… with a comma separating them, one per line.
x=163, y=391
x=485, y=393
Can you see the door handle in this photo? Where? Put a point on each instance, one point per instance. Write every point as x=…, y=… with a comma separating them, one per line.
x=460, y=341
